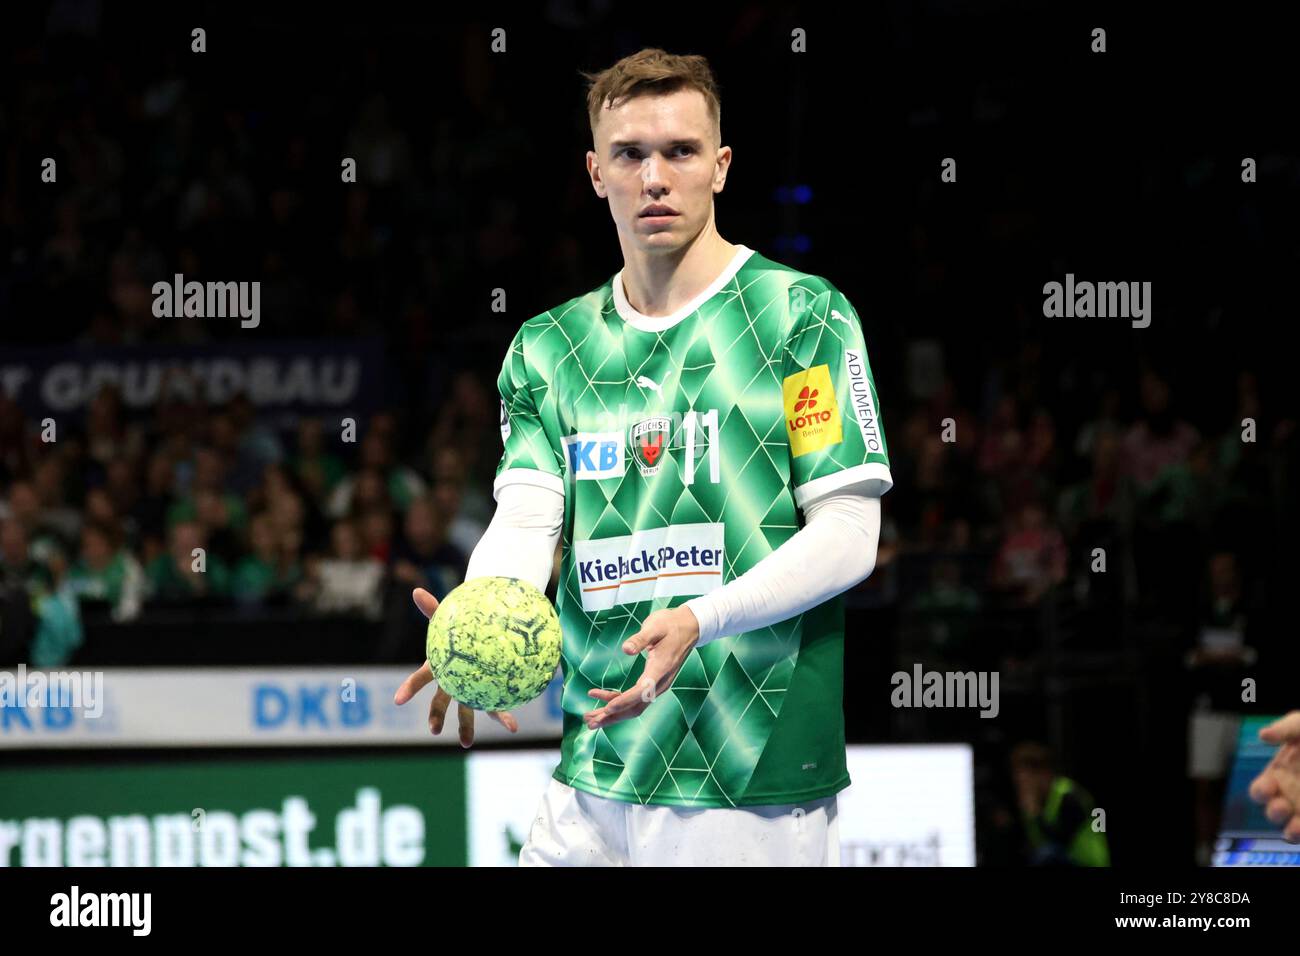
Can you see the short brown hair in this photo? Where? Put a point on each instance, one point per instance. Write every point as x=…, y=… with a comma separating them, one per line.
x=652, y=72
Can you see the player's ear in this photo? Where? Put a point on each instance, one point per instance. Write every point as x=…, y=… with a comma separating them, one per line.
x=593, y=170
x=723, y=163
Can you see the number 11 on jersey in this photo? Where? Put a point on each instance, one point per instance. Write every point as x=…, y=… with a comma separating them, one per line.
x=710, y=421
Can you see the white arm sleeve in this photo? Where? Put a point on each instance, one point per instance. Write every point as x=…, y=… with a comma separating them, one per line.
x=834, y=550
x=520, y=540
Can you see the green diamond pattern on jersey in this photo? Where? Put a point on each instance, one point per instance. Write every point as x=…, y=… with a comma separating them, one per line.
x=684, y=452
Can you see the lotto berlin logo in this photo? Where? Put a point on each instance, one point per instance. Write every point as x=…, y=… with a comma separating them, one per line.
x=812, y=413
x=807, y=399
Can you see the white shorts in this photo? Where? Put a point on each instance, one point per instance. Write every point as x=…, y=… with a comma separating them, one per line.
x=576, y=828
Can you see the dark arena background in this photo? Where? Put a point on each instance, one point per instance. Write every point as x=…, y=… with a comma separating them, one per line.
x=1098, y=513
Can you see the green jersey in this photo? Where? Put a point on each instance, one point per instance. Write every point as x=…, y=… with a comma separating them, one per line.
x=684, y=446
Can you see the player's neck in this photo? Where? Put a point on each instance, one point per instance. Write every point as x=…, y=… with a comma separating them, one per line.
x=658, y=285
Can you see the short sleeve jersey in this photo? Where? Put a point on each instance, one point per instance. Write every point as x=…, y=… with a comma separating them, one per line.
x=685, y=447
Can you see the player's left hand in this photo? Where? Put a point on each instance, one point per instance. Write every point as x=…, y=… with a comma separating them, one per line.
x=669, y=634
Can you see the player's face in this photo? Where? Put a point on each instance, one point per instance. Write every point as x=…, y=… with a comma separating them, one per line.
x=658, y=162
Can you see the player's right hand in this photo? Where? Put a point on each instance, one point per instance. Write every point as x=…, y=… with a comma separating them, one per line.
x=427, y=604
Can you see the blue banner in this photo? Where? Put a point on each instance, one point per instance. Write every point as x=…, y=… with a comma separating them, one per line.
x=280, y=376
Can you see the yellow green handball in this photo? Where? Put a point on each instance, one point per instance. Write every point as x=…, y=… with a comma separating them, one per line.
x=494, y=643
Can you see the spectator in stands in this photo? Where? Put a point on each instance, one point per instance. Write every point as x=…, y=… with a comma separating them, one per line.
x=920, y=424
x=376, y=526
x=1002, y=441
x=98, y=506
x=1097, y=512
x=1105, y=420
x=241, y=465
x=319, y=471
x=107, y=434
x=1004, y=479
x=292, y=507
x=277, y=483
x=1056, y=812
x=289, y=547
x=1230, y=446
x=179, y=573
x=476, y=503
x=272, y=571
x=21, y=504
x=370, y=492
x=210, y=476
x=222, y=517
x=1031, y=559
x=58, y=518
x=384, y=424
x=107, y=572
x=1185, y=492
x=1041, y=454
x=936, y=494
x=348, y=581
x=1105, y=497
x=122, y=486
x=1156, y=452
x=80, y=472
x=259, y=444
x=288, y=514
x=1159, y=439
x=384, y=146
x=400, y=483
x=424, y=557
x=42, y=538
x=58, y=622
x=18, y=569
x=150, y=511
x=176, y=424
x=466, y=421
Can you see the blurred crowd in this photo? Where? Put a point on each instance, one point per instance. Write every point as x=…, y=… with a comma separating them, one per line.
x=209, y=507
x=1135, y=509
x=212, y=505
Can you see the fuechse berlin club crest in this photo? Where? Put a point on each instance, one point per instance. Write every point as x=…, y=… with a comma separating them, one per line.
x=650, y=443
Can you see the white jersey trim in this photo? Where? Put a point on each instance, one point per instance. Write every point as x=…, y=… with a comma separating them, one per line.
x=527, y=476
x=874, y=473
x=658, y=323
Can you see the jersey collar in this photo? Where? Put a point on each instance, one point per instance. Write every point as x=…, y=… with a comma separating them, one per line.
x=658, y=323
